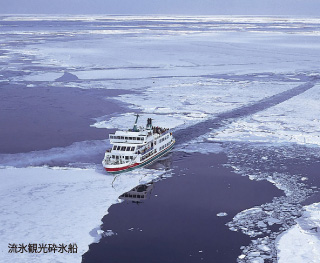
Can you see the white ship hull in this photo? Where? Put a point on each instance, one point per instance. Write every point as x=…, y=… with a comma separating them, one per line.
x=137, y=147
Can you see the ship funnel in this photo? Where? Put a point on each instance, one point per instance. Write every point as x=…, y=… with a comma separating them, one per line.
x=149, y=123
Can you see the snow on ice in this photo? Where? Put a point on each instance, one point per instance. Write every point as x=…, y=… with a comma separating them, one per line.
x=265, y=222
x=295, y=121
x=301, y=243
x=222, y=214
x=51, y=205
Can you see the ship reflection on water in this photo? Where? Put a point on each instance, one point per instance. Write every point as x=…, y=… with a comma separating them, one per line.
x=174, y=219
x=138, y=194
x=142, y=192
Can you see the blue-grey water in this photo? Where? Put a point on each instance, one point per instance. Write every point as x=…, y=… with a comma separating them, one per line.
x=43, y=117
x=179, y=222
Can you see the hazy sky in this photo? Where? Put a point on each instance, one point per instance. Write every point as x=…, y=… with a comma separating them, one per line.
x=204, y=7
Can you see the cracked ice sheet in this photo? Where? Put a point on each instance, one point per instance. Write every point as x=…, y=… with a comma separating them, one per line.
x=121, y=122
x=58, y=205
x=301, y=243
x=295, y=120
x=151, y=55
x=186, y=101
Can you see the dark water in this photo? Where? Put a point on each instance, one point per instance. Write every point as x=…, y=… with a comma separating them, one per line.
x=311, y=171
x=42, y=117
x=180, y=217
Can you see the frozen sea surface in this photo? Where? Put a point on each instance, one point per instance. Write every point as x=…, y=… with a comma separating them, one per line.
x=301, y=243
x=58, y=205
x=214, y=79
x=291, y=168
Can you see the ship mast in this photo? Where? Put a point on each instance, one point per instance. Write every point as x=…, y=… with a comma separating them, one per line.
x=135, y=129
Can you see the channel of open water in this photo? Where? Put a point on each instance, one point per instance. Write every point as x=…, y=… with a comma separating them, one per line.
x=178, y=221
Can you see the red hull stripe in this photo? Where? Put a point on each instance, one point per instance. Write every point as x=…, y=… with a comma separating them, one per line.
x=119, y=169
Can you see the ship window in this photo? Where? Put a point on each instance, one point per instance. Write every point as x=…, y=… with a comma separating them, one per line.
x=127, y=157
x=111, y=137
x=131, y=157
x=128, y=148
x=114, y=147
x=117, y=157
x=132, y=148
x=122, y=138
x=123, y=148
x=118, y=148
x=134, y=138
x=130, y=138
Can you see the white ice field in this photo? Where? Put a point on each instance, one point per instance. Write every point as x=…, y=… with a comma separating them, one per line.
x=183, y=70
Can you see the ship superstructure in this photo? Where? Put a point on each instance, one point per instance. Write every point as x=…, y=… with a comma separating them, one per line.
x=137, y=147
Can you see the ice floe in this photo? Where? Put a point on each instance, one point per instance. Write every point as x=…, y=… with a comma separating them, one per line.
x=43, y=205
x=222, y=214
x=301, y=243
x=294, y=121
x=265, y=222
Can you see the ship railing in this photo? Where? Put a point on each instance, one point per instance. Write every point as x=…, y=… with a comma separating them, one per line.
x=148, y=154
x=145, y=150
